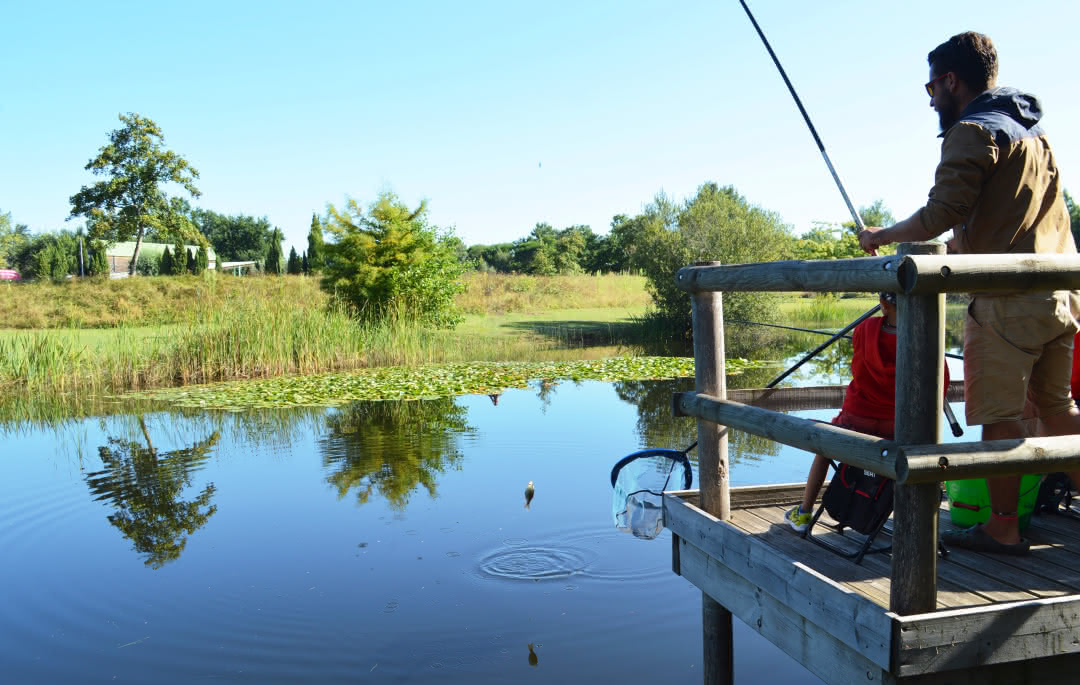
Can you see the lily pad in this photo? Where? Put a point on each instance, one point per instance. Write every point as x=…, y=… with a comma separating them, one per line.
x=423, y=382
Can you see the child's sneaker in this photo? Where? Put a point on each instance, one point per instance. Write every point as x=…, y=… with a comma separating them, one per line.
x=798, y=519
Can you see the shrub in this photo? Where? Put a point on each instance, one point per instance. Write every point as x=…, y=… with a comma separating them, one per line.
x=389, y=259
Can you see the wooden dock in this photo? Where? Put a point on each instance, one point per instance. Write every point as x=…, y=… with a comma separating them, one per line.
x=907, y=617
x=998, y=619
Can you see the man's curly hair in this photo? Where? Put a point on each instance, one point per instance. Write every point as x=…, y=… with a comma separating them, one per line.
x=971, y=56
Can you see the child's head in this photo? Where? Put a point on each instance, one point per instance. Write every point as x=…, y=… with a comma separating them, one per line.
x=888, y=307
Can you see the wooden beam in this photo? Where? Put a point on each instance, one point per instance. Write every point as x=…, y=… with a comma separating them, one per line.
x=819, y=651
x=713, y=476
x=862, y=274
x=816, y=397
x=988, y=458
x=920, y=361
x=857, y=449
x=979, y=636
x=927, y=274
x=851, y=618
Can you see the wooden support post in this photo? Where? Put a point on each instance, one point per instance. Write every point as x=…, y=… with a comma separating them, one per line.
x=708, y=330
x=920, y=350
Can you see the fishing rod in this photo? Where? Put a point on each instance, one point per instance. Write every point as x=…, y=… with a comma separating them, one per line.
x=950, y=355
x=957, y=431
x=806, y=117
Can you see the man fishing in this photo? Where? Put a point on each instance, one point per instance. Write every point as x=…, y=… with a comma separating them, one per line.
x=997, y=186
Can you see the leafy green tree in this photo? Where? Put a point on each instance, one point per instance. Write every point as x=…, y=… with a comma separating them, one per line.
x=97, y=263
x=151, y=265
x=48, y=256
x=294, y=266
x=237, y=238
x=166, y=266
x=12, y=238
x=131, y=200
x=147, y=488
x=1074, y=216
x=717, y=224
x=202, y=260
x=497, y=257
x=304, y=266
x=190, y=266
x=273, y=264
x=315, y=246
x=388, y=258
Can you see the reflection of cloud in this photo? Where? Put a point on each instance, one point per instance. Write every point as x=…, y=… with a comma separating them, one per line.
x=146, y=487
x=392, y=447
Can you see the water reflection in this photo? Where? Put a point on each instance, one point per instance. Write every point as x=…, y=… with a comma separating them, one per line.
x=146, y=488
x=391, y=448
x=657, y=428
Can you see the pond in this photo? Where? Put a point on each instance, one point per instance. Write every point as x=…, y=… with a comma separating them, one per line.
x=375, y=542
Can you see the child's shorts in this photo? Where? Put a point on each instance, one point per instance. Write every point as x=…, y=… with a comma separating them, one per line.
x=882, y=428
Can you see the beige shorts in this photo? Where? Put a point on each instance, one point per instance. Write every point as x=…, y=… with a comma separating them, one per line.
x=1015, y=345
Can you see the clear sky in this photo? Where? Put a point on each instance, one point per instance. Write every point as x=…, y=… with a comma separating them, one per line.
x=504, y=114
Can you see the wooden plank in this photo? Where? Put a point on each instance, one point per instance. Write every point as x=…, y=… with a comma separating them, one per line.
x=713, y=475
x=1058, y=670
x=857, y=449
x=965, y=638
x=970, y=273
x=861, y=274
x=818, y=650
x=983, y=458
x=853, y=619
x=954, y=585
x=815, y=397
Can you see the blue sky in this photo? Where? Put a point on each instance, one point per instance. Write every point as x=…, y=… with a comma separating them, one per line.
x=505, y=114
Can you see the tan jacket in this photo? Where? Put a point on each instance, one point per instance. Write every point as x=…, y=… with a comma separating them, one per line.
x=997, y=182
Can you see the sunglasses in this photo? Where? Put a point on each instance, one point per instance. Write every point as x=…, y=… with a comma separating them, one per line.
x=930, y=86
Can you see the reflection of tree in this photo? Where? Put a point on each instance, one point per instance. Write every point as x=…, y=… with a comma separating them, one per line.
x=658, y=428
x=146, y=486
x=391, y=447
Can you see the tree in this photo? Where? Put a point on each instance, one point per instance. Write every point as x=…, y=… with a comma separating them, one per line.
x=166, y=267
x=315, y=246
x=389, y=259
x=304, y=266
x=131, y=201
x=238, y=238
x=50, y=256
x=293, y=266
x=716, y=224
x=180, y=257
x=1074, y=216
x=273, y=265
x=12, y=238
x=97, y=263
x=191, y=267
x=202, y=260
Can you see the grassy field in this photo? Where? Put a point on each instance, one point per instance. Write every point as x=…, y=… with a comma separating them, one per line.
x=110, y=336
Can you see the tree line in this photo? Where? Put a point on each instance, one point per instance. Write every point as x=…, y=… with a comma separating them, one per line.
x=387, y=258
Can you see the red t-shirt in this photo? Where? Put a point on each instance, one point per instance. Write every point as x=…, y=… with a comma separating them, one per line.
x=1076, y=368
x=872, y=391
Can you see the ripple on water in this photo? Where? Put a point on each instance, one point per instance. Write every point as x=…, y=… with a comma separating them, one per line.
x=593, y=554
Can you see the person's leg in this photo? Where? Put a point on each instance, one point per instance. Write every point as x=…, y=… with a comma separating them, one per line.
x=814, y=480
x=1003, y=524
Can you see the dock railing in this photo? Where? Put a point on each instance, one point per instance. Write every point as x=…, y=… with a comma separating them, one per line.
x=920, y=274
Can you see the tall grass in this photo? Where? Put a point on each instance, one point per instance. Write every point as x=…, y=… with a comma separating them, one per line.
x=492, y=293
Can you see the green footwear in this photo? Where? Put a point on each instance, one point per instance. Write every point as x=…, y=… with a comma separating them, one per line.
x=978, y=540
x=798, y=519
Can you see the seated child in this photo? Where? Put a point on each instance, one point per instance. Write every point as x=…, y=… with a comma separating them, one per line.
x=870, y=400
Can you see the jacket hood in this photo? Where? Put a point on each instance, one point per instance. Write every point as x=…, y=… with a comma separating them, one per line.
x=1021, y=107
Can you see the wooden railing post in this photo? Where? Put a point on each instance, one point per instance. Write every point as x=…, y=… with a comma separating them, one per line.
x=708, y=331
x=920, y=350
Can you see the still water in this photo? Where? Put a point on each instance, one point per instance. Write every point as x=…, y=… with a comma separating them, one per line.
x=379, y=542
